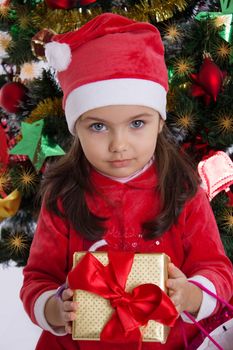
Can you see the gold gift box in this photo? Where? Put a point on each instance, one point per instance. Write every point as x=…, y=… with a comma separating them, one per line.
x=94, y=311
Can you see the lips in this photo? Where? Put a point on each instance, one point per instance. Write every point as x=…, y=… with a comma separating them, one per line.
x=120, y=163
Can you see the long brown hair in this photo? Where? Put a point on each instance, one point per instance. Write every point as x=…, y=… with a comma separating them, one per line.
x=68, y=178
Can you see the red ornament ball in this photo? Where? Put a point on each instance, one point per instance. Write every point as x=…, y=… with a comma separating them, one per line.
x=61, y=4
x=86, y=2
x=11, y=95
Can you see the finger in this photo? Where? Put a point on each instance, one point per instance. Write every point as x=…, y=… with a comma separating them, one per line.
x=170, y=292
x=69, y=316
x=174, y=272
x=67, y=294
x=68, y=327
x=70, y=306
x=173, y=284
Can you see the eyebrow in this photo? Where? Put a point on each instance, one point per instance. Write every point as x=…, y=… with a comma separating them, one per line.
x=92, y=118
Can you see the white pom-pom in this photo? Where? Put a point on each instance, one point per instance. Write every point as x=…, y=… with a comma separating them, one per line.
x=58, y=55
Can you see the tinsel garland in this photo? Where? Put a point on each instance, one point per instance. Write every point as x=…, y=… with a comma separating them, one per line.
x=62, y=21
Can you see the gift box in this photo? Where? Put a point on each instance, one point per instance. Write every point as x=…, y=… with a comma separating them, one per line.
x=141, y=277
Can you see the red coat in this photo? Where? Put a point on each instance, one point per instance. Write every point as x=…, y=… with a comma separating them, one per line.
x=193, y=244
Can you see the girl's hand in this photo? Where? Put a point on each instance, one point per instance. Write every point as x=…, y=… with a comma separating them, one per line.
x=61, y=311
x=68, y=309
x=185, y=296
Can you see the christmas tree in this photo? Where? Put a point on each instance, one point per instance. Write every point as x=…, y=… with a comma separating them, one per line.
x=198, y=40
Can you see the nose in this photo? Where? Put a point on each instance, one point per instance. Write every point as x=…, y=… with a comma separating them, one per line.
x=118, y=143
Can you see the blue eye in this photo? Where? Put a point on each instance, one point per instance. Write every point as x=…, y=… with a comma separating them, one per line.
x=136, y=124
x=98, y=127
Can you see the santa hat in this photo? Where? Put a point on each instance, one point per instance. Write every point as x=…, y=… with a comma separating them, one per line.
x=111, y=60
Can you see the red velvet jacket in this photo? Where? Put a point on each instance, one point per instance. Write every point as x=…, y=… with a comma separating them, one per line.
x=193, y=244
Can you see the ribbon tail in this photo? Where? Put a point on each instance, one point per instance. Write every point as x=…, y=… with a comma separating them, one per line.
x=113, y=331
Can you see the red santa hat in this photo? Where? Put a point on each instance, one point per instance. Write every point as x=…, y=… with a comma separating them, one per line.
x=111, y=60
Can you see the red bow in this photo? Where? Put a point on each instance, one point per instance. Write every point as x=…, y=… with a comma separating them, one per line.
x=132, y=310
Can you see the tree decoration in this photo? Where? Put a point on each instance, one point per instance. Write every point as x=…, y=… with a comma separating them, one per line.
x=223, y=122
x=4, y=157
x=5, y=41
x=17, y=243
x=216, y=173
x=223, y=51
x=183, y=66
x=36, y=146
x=227, y=219
x=185, y=120
x=172, y=33
x=12, y=95
x=86, y=2
x=230, y=198
x=25, y=179
x=10, y=204
x=45, y=108
x=227, y=6
x=31, y=70
x=61, y=4
x=44, y=17
x=4, y=8
x=39, y=40
x=163, y=10
x=208, y=81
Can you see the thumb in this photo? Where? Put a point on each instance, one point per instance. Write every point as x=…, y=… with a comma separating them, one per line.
x=174, y=272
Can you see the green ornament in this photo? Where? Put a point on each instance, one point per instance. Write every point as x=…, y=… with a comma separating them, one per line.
x=227, y=31
x=170, y=74
x=35, y=145
x=227, y=6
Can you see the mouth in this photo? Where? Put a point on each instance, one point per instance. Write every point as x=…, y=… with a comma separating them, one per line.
x=120, y=163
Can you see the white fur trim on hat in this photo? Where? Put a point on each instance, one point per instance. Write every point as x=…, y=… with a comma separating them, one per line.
x=123, y=91
x=58, y=55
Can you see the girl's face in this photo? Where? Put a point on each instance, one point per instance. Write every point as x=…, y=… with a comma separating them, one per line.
x=119, y=140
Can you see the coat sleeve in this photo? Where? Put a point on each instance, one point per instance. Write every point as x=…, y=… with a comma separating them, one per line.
x=203, y=246
x=47, y=265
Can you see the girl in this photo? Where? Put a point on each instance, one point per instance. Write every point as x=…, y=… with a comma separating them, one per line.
x=123, y=183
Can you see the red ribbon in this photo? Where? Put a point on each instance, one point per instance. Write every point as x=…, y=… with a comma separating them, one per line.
x=132, y=310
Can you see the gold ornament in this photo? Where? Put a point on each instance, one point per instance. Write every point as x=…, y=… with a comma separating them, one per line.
x=172, y=33
x=227, y=219
x=10, y=204
x=39, y=40
x=4, y=8
x=17, y=243
x=224, y=122
x=26, y=180
x=220, y=21
x=223, y=51
x=186, y=120
x=183, y=66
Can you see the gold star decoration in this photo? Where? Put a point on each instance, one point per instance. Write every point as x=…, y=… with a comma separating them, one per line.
x=223, y=51
x=17, y=243
x=224, y=122
x=227, y=219
x=172, y=33
x=4, y=10
x=219, y=21
x=186, y=120
x=25, y=180
x=183, y=66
